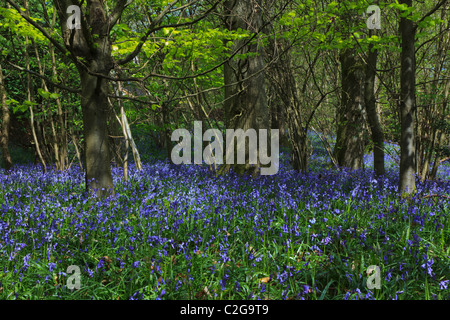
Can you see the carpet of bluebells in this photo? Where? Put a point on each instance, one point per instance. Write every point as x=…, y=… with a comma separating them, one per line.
x=183, y=232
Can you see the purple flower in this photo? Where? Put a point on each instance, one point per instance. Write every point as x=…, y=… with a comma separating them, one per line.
x=25, y=260
x=223, y=282
x=51, y=266
x=427, y=265
x=163, y=292
x=237, y=286
x=305, y=289
x=263, y=288
x=101, y=263
x=443, y=284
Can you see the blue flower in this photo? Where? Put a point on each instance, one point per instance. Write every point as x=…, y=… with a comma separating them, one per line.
x=223, y=282
x=51, y=266
x=26, y=259
x=237, y=286
x=427, y=265
x=443, y=284
x=163, y=292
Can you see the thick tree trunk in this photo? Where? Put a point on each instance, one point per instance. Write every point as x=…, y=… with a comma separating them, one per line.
x=372, y=114
x=94, y=106
x=407, y=182
x=349, y=147
x=92, y=44
x=6, y=124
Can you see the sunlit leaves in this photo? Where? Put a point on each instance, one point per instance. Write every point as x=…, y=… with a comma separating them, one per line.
x=14, y=22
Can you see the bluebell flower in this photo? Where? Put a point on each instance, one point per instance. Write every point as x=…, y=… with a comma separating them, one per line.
x=237, y=286
x=51, y=266
x=443, y=284
x=427, y=265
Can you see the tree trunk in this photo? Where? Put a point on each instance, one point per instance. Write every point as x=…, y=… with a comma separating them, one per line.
x=92, y=44
x=407, y=182
x=95, y=112
x=62, y=136
x=6, y=124
x=245, y=97
x=372, y=114
x=349, y=148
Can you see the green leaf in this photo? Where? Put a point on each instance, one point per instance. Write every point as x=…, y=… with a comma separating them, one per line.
x=11, y=101
x=29, y=103
x=54, y=96
x=44, y=94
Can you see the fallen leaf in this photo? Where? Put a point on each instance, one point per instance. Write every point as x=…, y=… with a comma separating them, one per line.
x=265, y=280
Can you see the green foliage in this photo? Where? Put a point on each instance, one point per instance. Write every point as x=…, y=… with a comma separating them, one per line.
x=18, y=25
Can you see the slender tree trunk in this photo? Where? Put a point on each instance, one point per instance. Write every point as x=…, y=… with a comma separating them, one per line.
x=372, y=114
x=121, y=121
x=77, y=151
x=62, y=132
x=134, y=149
x=29, y=98
x=60, y=157
x=287, y=107
x=407, y=183
x=127, y=143
x=166, y=132
x=6, y=124
x=442, y=135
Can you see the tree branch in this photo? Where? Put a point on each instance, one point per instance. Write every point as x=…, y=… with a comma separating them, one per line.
x=117, y=12
x=37, y=26
x=436, y=8
x=154, y=27
x=62, y=87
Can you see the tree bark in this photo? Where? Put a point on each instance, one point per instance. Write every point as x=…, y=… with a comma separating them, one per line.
x=92, y=45
x=349, y=147
x=407, y=182
x=6, y=125
x=95, y=111
x=62, y=137
x=245, y=96
x=372, y=114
